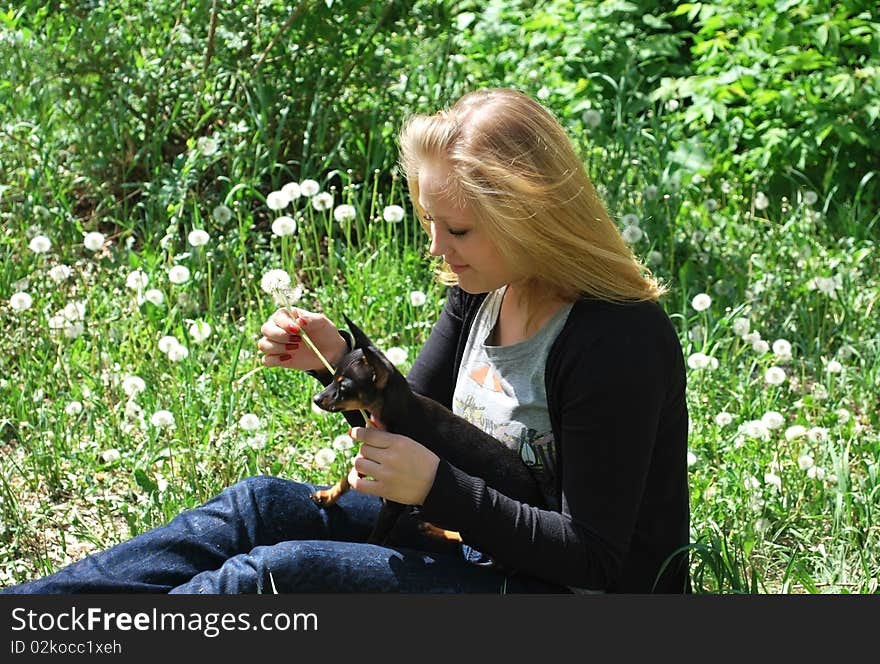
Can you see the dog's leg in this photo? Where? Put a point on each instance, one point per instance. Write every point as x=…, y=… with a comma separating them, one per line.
x=437, y=532
x=328, y=497
x=385, y=522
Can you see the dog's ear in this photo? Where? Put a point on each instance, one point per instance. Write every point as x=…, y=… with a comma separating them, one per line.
x=360, y=339
x=381, y=365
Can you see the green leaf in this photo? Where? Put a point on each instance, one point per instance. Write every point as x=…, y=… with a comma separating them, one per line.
x=144, y=481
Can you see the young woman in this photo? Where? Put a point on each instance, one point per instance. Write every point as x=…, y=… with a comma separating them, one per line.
x=551, y=340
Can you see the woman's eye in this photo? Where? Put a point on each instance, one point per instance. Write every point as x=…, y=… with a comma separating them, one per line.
x=457, y=233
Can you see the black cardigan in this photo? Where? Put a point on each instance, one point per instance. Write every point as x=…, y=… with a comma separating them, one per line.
x=615, y=381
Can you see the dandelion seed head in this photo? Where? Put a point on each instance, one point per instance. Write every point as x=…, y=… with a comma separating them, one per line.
x=393, y=213
x=723, y=418
x=198, y=237
x=137, y=280
x=40, y=244
x=178, y=274
x=199, y=331
x=284, y=226
x=60, y=273
x=396, y=355
x=773, y=419
x=344, y=213
x=93, y=241
x=20, y=301
x=592, y=118
x=342, y=443
x=322, y=202
x=417, y=298
x=741, y=326
x=292, y=191
x=162, y=419
x=277, y=200
x=631, y=234
x=249, y=422
x=275, y=280
x=178, y=353
x=74, y=408
x=168, y=342
x=701, y=302
x=221, y=214
x=761, y=201
x=154, y=296
x=309, y=188
x=325, y=457
x=774, y=375
x=133, y=385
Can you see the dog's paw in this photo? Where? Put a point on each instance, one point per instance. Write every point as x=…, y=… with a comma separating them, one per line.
x=436, y=532
x=325, y=498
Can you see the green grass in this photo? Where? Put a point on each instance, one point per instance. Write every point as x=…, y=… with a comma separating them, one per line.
x=772, y=511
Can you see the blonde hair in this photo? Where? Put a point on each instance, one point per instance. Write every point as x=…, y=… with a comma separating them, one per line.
x=512, y=162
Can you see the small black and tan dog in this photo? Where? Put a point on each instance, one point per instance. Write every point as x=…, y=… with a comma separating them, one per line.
x=366, y=379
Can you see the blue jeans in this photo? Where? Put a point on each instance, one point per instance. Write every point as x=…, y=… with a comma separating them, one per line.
x=265, y=534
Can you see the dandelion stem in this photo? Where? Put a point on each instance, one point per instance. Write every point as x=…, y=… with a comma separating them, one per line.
x=324, y=361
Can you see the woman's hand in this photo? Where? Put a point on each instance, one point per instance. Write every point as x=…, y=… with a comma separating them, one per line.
x=392, y=466
x=283, y=346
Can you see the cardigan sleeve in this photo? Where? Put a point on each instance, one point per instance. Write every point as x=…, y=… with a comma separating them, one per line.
x=610, y=390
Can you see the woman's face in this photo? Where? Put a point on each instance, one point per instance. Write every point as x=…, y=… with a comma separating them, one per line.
x=457, y=236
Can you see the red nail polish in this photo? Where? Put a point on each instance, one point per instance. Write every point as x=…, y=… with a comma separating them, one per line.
x=294, y=338
x=284, y=358
x=291, y=346
x=293, y=327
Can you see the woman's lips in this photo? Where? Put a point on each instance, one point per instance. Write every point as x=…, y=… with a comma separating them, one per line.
x=458, y=269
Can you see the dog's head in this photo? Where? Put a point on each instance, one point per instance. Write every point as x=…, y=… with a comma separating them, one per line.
x=359, y=380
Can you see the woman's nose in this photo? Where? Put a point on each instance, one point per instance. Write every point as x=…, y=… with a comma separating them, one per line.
x=435, y=249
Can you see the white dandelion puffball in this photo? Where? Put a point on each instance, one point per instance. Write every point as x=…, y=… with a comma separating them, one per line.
x=284, y=226
x=817, y=434
x=774, y=375
x=275, y=280
x=179, y=274
x=630, y=219
x=810, y=197
x=342, y=443
x=20, y=302
x=652, y=192
x=698, y=360
x=325, y=457
x=60, y=273
x=655, y=258
x=691, y=458
x=162, y=419
x=292, y=190
x=773, y=419
x=741, y=326
x=393, y=213
x=133, y=385
x=166, y=343
x=760, y=346
x=761, y=201
x=834, y=367
x=277, y=200
x=322, y=202
x=40, y=244
x=592, y=118
x=208, y=145
x=417, y=298
x=701, y=302
x=805, y=461
x=344, y=213
x=756, y=429
x=396, y=355
x=198, y=237
x=782, y=348
x=178, y=353
x=773, y=480
x=74, y=408
x=109, y=456
x=93, y=241
x=723, y=418
x=74, y=330
x=154, y=296
x=199, y=331
x=795, y=431
x=309, y=188
x=631, y=234
x=137, y=280
x=249, y=422
x=221, y=214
